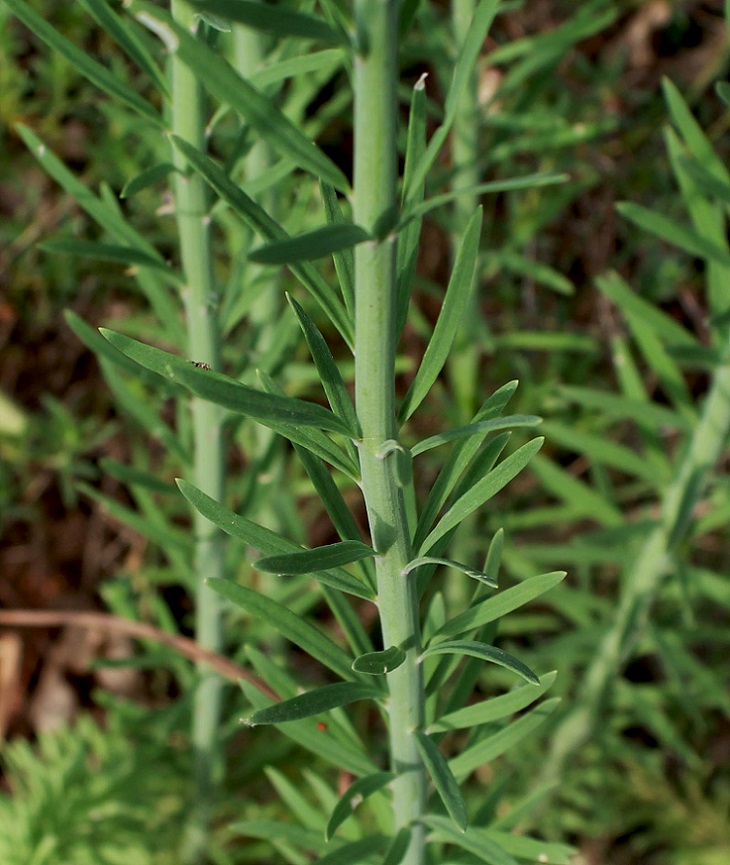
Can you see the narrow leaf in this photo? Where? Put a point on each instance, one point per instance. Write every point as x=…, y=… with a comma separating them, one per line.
x=343, y=258
x=379, y=663
x=327, y=369
x=473, y=573
x=289, y=625
x=485, y=849
x=492, y=746
x=226, y=391
x=482, y=490
x=283, y=22
x=222, y=81
x=512, y=421
x=455, y=300
x=125, y=255
x=495, y=709
x=147, y=178
x=265, y=540
x=356, y=793
x=318, y=559
x=311, y=245
x=486, y=653
x=257, y=219
x=313, y=702
x=443, y=779
x=99, y=75
x=501, y=604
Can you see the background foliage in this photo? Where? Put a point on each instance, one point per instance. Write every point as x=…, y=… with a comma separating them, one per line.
x=623, y=383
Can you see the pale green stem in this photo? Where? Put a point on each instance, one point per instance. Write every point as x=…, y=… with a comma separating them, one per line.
x=645, y=576
x=374, y=199
x=192, y=213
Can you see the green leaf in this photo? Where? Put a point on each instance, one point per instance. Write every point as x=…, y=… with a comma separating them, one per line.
x=313, y=702
x=495, y=709
x=379, y=663
x=475, y=842
x=289, y=625
x=282, y=22
x=492, y=746
x=327, y=369
x=531, y=849
x=481, y=491
x=408, y=239
x=343, y=258
x=466, y=59
x=226, y=391
x=443, y=779
x=357, y=792
x=311, y=245
x=122, y=32
x=723, y=91
x=399, y=845
x=678, y=235
x=147, y=178
x=458, y=459
x=486, y=653
x=99, y=75
x=512, y=421
x=126, y=255
x=257, y=219
x=222, y=81
x=452, y=311
x=319, y=559
x=530, y=181
x=265, y=540
x=473, y=573
x=501, y=604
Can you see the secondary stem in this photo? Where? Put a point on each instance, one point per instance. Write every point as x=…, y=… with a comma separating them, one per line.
x=191, y=208
x=376, y=71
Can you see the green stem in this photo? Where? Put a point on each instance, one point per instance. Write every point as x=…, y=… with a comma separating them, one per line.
x=192, y=212
x=376, y=71
x=705, y=448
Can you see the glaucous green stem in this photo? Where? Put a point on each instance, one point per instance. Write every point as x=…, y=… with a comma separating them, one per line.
x=374, y=203
x=200, y=302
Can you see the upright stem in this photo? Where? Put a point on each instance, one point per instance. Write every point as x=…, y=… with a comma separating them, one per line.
x=191, y=208
x=376, y=71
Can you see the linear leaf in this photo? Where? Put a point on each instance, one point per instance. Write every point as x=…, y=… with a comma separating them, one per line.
x=282, y=22
x=452, y=311
x=226, y=391
x=263, y=539
x=512, y=421
x=327, y=369
x=379, y=663
x=317, y=559
x=491, y=747
x=99, y=75
x=443, y=779
x=339, y=751
x=357, y=792
x=222, y=81
x=530, y=181
x=147, y=178
x=343, y=258
x=531, y=849
x=487, y=850
x=680, y=236
x=486, y=652
x=257, y=219
x=313, y=702
x=288, y=624
x=482, y=490
x=458, y=459
x=311, y=245
x=124, y=35
x=126, y=255
x=494, y=709
x=501, y=604
x=473, y=573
